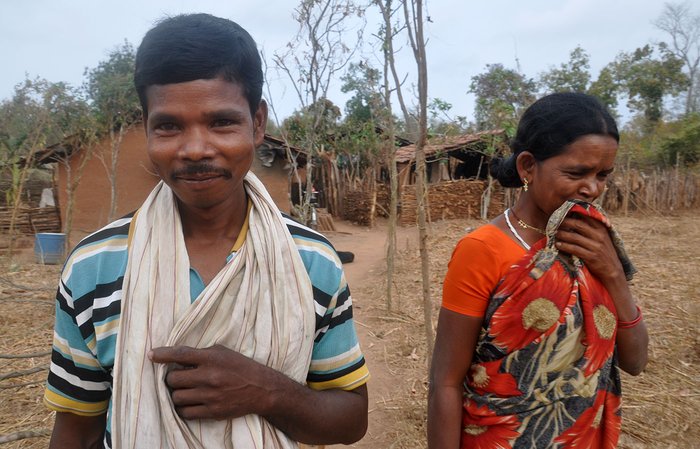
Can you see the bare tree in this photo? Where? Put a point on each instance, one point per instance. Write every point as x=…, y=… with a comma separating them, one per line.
x=312, y=60
x=413, y=13
x=387, y=35
x=683, y=27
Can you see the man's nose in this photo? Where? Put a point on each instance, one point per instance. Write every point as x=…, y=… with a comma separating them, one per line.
x=195, y=145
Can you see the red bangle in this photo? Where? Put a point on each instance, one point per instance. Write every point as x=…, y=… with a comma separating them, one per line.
x=630, y=324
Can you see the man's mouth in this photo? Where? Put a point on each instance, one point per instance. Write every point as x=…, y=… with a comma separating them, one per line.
x=199, y=177
x=200, y=173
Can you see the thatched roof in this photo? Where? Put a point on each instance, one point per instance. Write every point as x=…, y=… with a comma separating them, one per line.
x=452, y=145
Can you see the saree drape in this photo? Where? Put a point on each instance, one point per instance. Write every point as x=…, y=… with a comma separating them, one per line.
x=544, y=372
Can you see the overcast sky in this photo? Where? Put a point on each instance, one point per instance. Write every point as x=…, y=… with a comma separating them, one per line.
x=58, y=39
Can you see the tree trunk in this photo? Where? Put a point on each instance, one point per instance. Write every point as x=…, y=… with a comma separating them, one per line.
x=17, y=197
x=418, y=43
x=373, y=196
x=115, y=147
x=72, y=183
x=390, y=148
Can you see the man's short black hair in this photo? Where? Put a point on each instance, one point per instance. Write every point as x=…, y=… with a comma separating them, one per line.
x=190, y=47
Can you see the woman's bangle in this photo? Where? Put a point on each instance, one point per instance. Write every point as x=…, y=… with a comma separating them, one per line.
x=630, y=324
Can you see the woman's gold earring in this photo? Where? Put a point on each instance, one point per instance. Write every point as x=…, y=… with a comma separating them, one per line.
x=525, y=187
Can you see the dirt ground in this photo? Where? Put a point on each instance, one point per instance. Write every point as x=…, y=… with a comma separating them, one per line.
x=659, y=407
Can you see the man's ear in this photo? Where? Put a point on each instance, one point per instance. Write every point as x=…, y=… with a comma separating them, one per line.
x=525, y=164
x=260, y=123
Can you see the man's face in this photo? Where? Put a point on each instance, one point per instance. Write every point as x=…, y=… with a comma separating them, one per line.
x=202, y=138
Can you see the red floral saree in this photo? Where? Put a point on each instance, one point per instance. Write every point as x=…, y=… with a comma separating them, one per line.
x=544, y=371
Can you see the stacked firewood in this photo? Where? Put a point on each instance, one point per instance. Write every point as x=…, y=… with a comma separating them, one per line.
x=31, y=220
x=452, y=199
x=324, y=220
x=357, y=206
x=383, y=200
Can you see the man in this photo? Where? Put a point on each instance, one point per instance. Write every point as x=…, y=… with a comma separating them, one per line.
x=207, y=319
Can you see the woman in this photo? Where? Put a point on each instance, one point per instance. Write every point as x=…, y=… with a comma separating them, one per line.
x=537, y=314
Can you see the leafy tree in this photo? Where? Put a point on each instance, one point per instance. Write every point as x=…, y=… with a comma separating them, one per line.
x=683, y=27
x=647, y=79
x=441, y=122
x=42, y=113
x=321, y=116
x=572, y=76
x=501, y=95
x=39, y=113
x=684, y=146
x=606, y=88
x=363, y=80
x=110, y=87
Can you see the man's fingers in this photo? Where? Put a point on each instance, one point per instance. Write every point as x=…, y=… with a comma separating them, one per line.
x=194, y=412
x=187, y=397
x=183, y=355
x=183, y=378
x=200, y=411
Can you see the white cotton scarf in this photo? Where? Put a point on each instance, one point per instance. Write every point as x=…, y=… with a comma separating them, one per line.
x=260, y=304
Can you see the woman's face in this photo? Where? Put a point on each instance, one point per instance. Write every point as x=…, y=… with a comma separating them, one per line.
x=579, y=172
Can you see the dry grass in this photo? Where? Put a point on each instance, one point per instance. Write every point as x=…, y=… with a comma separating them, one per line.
x=26, y=327
x=658, y=407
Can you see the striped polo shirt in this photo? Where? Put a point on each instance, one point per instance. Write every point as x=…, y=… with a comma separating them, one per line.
x=88, y=307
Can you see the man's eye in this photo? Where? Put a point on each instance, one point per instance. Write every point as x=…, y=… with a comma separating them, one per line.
x=166, y=127
x=222, y=122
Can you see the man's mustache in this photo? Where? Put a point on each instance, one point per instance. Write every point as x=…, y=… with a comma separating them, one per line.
x=201, y=169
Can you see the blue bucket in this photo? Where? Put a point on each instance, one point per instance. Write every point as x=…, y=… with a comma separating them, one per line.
x=49, y=247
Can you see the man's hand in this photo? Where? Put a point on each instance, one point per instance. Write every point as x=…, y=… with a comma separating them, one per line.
x=215, y=382
x=218, y=383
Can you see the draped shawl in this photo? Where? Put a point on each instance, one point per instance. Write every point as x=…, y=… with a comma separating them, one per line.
x=260, y=304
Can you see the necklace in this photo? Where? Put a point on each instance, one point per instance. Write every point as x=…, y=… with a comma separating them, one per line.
x=506, y=214
x=528, y=226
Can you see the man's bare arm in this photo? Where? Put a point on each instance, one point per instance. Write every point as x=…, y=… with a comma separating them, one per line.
x=78, y=432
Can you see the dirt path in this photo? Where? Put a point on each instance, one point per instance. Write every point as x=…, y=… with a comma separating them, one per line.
x=369, y=247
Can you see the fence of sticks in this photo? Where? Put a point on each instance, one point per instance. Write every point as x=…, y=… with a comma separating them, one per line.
x=628, y=190
x=655, y=190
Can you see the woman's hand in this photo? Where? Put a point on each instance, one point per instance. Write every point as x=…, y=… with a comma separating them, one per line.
x=589, y=240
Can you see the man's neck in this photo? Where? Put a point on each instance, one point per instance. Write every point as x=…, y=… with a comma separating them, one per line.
x=222, y=221
x=211, y=233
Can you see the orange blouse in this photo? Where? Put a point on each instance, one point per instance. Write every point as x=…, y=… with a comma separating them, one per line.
x=478, y=263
